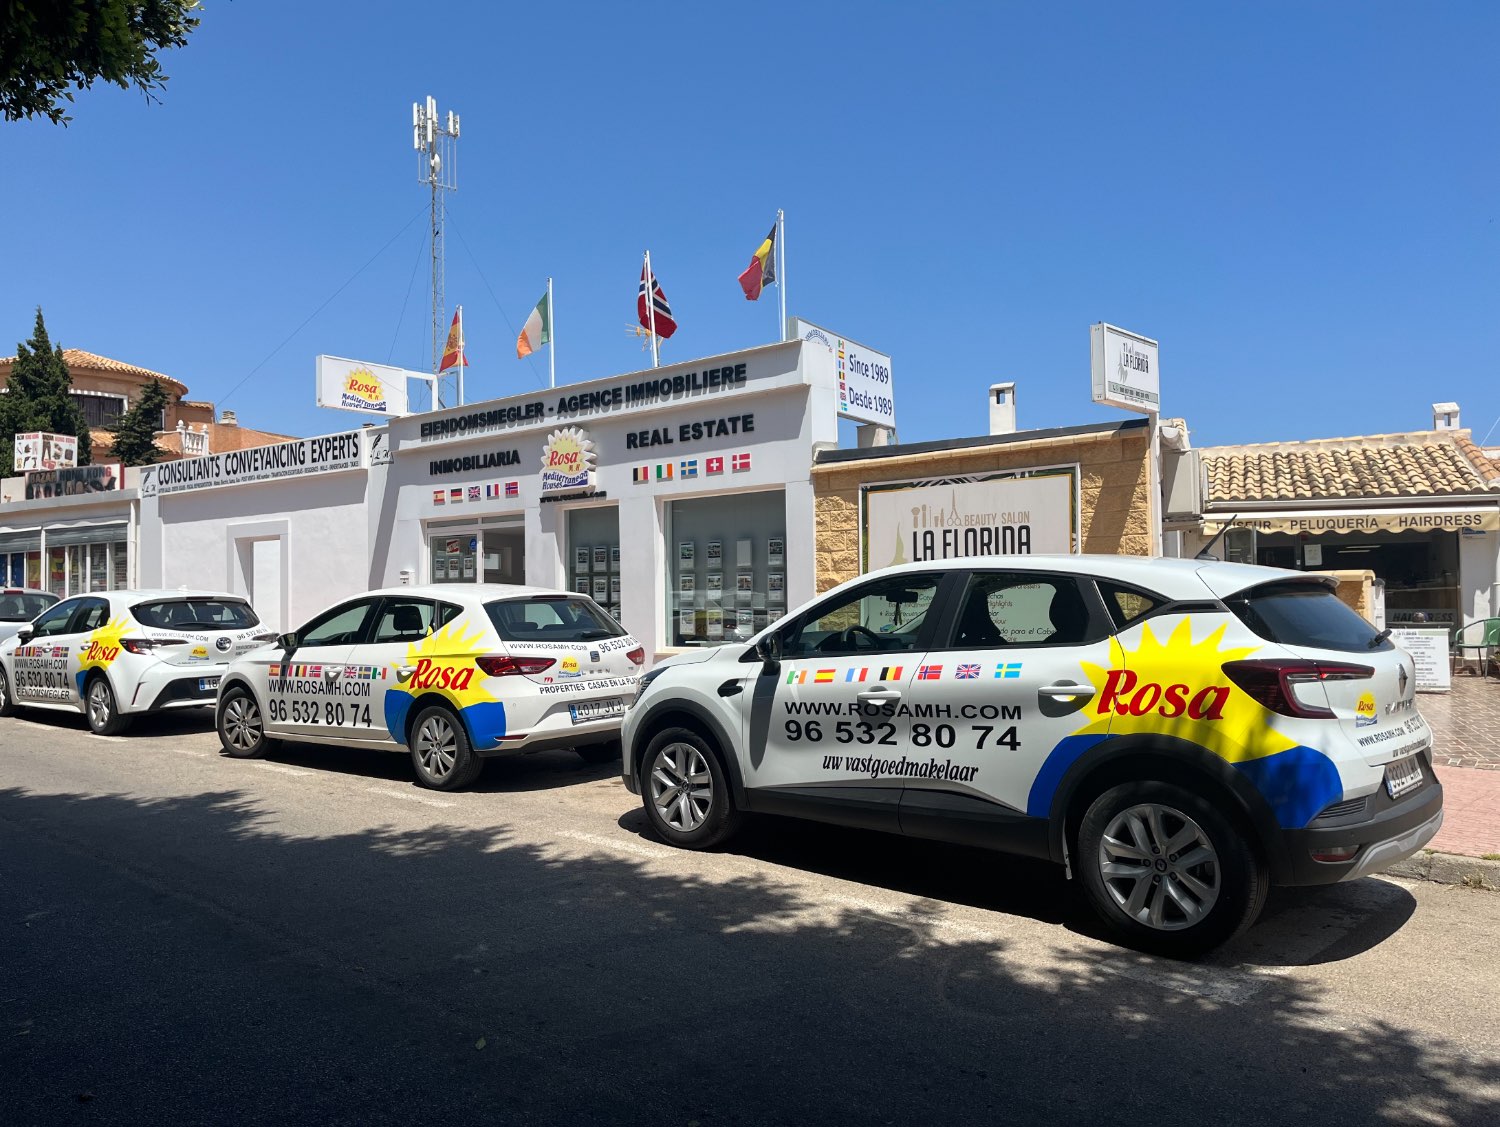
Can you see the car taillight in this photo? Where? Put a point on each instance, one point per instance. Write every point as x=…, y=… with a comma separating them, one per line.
x=495, y=665
x=637, y=656
x=1270, y=681
x=146, y=645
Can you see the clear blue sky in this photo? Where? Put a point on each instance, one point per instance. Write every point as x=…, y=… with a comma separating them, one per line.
x=1299, y=200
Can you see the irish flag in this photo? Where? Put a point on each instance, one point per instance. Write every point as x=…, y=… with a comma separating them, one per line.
x=537, y=331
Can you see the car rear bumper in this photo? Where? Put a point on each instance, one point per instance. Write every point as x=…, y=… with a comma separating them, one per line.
x=548, y=738
x=1391, y=835
x=175, y=686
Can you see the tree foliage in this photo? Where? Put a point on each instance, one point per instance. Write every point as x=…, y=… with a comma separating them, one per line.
x=38, y=397
x=135, y=431
x=48, y=48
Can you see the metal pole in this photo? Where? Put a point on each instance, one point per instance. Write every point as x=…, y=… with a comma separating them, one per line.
x=551, y=337
x=651, y=310
x=461, y=359
x=781, y=274
x=1154, y=484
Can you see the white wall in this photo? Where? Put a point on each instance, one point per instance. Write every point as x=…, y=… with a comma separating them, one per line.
x=1479, y=571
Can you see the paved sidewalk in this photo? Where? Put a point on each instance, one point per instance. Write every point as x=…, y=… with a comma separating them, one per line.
x=1466, y=750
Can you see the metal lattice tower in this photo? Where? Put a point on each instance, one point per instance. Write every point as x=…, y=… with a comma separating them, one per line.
x=436, y=144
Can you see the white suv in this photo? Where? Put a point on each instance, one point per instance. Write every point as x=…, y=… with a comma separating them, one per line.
x=1179, y=733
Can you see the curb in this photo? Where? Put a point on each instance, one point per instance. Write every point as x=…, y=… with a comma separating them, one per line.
x=1450, y=868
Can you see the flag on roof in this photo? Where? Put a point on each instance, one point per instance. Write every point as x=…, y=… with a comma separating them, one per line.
x=453, y=351
x=665, y=326
x=762, y=269
x=537, y=331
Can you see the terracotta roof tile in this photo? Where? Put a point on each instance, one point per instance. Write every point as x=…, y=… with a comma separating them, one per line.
x=77, y=357
x=1422, y=464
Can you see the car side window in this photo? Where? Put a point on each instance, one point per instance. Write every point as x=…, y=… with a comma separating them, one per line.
x=886, y=616
x=1023, y=609
x=91, y=615
x=403, y=620
x=54, y=620
x=1126, y=604
x=341, y=626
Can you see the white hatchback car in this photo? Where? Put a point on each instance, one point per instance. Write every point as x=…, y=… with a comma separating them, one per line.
x=115, y=654
x=1178, y=733
x=454, y=674
x=18, y=606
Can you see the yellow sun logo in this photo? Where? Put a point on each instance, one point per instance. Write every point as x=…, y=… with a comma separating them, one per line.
x=103, y=644
x=443, y=663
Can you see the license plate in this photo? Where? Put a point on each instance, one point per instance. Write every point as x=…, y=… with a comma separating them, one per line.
x=597, y=710
x=205, y=684
x=1402, y=776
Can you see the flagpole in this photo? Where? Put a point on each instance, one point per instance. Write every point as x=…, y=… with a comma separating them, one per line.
x=651, y=310
x=781, y=274
x=552, y=336
x=461, y=360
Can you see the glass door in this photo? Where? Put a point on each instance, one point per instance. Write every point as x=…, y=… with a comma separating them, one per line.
x=491, y=551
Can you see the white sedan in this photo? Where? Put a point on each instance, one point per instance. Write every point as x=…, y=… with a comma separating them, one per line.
x=454, y=674
x=115, y=654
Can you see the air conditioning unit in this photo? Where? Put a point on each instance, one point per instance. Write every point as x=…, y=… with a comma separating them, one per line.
x=1184, y=484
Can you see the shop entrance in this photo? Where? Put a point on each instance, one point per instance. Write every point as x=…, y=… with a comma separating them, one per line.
x=487, y=551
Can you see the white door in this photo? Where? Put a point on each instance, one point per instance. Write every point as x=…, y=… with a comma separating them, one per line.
x=303, y=685
x=42, y=668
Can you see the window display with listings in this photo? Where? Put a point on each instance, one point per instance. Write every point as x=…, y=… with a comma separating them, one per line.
x=594, y=555
x=726, y=574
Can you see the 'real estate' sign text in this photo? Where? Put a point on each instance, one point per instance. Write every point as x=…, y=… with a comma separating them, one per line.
x=301, y=456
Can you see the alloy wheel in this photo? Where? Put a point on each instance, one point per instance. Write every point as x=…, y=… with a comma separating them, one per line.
x=682, y=788
x=99, y=703
x=241, y=724
x=1159, y=867
x=4, y=690
x=436, y=746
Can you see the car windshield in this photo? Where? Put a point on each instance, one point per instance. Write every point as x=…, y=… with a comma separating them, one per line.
x=23, y=606
x=563, y=618
x=1305, y=614
x=196, y=614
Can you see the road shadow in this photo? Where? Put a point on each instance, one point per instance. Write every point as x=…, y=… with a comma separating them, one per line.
x=540, y=770
x=191, y=959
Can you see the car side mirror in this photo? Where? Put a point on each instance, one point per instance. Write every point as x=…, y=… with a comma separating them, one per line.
x=287, y=641
x=768, y=649
x=25, y=634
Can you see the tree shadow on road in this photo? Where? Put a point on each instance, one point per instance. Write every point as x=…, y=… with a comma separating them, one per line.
x=190, y=960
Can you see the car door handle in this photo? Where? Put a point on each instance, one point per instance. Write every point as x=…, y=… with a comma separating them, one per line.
x=333, y=672
x=1066, y=690
x=730, y=688
x=880, y=696
x=404, y=672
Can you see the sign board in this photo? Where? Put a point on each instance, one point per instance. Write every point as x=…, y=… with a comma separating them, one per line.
x=1429, y=653
x=297, y=458
x=866, y=393
x=74, y=481
x=38, y=451
x=568, y=462
x=1004, y=515
x=1125, y=369
x=1472, y=520
x=353, y=385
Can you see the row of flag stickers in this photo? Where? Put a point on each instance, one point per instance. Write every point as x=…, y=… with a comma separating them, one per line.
x=655, y=316
x=456, y=494
x=968, y=671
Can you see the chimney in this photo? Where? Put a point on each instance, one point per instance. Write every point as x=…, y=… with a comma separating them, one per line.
x=228, y=419
x=1003, y=408
x=1445, y=416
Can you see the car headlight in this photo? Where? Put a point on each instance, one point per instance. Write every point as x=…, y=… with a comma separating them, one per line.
x=647, y=678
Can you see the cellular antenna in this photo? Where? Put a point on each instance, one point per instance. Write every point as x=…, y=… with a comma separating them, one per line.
x=436, y=145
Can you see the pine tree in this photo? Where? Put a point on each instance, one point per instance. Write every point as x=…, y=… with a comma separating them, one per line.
x=38, y=397
x=135, y=432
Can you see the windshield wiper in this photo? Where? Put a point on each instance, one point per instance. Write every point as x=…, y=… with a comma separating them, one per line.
x=1375, y=641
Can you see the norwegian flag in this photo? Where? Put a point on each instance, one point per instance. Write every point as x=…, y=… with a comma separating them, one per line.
x=966, y=672
x=715, y=465
x=512, y=488
x=665, y=326
x=740, y=462
x=930, y=673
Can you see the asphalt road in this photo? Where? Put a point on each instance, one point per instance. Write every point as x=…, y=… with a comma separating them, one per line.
x=313, y=939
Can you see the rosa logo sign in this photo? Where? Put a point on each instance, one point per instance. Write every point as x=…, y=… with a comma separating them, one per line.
x=1126, y=695
x=363, y=391
x=97, y=651
x=429, y=675
x=568, y=461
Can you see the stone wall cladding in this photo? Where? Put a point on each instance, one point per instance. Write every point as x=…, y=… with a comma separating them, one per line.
x=1113, y=486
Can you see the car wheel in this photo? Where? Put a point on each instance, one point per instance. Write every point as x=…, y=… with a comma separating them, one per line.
x=7, y=704
x=100, y=708
x=600, y=753
x=242, y=726
x=686, y=790
x=1167, y=871
x=440, y=751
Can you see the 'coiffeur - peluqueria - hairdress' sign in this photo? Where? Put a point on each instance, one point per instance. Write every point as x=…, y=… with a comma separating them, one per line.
x=568, y=462
x=1335, y=523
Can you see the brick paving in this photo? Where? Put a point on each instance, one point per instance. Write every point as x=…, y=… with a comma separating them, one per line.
x=1466, y=751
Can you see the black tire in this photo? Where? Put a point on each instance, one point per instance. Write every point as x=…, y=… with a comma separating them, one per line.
x=242, y=726
x=441, y=754
x=7, y=702
x=101, y=709
x=701, y=815
x=600, y=753
x=1167, y=908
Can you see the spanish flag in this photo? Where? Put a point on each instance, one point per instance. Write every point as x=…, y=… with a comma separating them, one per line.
x=453, y=351
x=762, y=269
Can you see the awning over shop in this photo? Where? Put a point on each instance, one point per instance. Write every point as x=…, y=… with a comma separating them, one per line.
x=1340, y=522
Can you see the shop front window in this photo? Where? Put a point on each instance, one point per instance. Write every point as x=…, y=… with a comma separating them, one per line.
x=99, y=574
x=57, y=575
x=594, y=552
x=726, y=566
x=488, y=551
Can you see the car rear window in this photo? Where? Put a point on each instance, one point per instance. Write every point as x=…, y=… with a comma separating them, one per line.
x=195, y=614
x=561, y=619
x=23, y=606
x=1305, y=614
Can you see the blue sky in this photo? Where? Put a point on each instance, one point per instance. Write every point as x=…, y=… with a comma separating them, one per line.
x=1298, y=200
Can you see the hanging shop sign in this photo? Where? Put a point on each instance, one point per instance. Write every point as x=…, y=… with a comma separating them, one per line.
x=1395, y=520
x=353, y=385
x=568, y=462
x=911, y=522
x=866, y=393
x=297, y=458
x=38, y=451
x=1125, y=369
x=75, y=481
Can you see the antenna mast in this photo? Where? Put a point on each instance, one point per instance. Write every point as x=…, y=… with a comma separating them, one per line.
x=436, y=145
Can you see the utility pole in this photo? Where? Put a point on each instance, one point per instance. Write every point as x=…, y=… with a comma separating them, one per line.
x=436, y=144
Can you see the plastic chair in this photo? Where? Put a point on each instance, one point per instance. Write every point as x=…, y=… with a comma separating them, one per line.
x=1480, y=638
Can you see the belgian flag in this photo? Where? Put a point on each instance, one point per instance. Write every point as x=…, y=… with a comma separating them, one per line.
x=762, y=269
